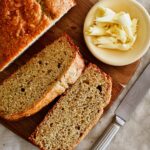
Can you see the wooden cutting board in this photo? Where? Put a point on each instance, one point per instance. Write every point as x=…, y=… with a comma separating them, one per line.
x=72, y=23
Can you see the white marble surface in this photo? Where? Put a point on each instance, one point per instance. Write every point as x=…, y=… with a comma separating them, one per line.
x=135, y=135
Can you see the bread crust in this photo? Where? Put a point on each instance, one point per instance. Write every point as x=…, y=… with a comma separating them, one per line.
x=99, y=115
x=22, y=22
x=54, y=8
x=69, y=77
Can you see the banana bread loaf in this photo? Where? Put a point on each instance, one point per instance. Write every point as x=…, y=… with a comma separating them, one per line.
x=23, y=21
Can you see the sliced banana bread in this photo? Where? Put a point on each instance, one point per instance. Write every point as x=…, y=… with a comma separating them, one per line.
x=42, y=79
x=75, y=113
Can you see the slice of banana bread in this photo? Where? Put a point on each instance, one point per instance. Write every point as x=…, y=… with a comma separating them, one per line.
x=42, y=79
x=75, y=113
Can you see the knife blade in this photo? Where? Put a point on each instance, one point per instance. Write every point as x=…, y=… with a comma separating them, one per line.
x=126, y=108
x=134, y=96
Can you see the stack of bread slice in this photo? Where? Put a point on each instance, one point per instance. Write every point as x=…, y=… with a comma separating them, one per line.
x=41, y=80
x=48, y=75
x=76, y=112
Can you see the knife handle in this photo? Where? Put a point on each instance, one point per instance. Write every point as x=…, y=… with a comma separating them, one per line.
x=106, y=139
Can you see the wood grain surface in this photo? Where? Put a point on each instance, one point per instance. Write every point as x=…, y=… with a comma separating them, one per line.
x=72, y=23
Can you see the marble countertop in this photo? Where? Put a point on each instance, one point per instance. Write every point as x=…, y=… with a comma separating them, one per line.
x=135, y=135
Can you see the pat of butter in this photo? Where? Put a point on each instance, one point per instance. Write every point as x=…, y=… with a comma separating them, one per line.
x=113, y=30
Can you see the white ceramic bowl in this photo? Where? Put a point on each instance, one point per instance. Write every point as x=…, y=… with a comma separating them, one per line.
x=140, y=47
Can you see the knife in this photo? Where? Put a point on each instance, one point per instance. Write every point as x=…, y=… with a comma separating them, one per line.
x=125, y=109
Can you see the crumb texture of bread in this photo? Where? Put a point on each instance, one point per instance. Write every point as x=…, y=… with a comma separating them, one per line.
x=21, y=21
x=42, y=79
x=69, y=121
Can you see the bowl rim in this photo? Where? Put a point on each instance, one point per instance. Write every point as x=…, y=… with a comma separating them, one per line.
x=109, y=62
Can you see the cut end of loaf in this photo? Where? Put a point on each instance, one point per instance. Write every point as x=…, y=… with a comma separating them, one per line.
x=69, y=121
x=42, y=79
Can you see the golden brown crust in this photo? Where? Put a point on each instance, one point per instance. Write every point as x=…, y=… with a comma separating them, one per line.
x=18, y=22
x=21, y=22
x=54, y=7
x=99, y=114
x=76, y=67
